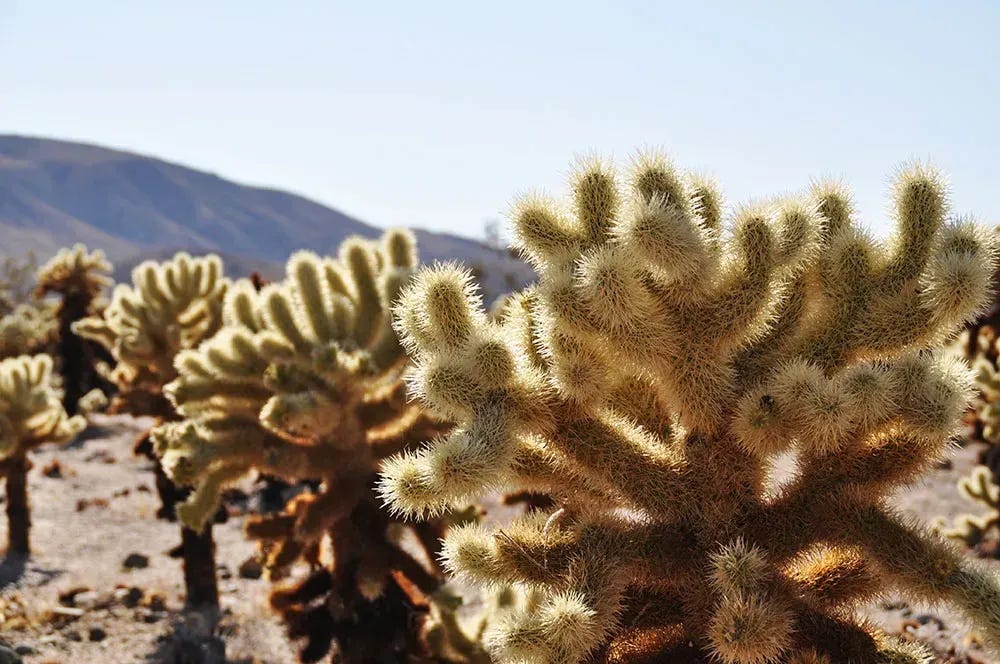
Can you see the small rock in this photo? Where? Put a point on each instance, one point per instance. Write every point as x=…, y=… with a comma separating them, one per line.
x=89, y=599
x=129, y=597
x=84, y=503
x=148, y=617
x=70, y=612
x=25, y=649
x=68, y=597
x=97, y=634
x=156, y=602
x=251, y=568
x=72, y=635
x=136, y=561
x=53, y=470
x=9, y=656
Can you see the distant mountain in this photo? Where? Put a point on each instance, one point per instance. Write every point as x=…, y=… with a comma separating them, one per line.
x=54, y=193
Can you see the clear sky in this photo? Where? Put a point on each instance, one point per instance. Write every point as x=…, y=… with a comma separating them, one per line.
x=435, y=114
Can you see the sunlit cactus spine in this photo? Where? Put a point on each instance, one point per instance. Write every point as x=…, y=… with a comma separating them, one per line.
x=78, y=277
x=169, y=307
x=31, y=414
x=304, y=383
x=649, y=380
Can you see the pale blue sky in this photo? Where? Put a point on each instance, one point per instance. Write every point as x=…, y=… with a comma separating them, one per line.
x=435, y=114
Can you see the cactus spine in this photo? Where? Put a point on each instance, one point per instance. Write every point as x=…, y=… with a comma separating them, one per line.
x=170, y=307
x=649, y=379
x=31, y=413
x=78, y=277
x=304, y=382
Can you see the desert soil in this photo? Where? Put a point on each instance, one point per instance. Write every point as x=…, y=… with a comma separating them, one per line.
x=76, y=600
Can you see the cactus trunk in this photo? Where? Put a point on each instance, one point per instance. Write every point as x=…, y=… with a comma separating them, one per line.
x=198, y=552
x=18, y=509
x=75, y=355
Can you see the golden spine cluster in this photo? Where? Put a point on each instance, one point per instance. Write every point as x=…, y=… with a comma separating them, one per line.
x=649, y=380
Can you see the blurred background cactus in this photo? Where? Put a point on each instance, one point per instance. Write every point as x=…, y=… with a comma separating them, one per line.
x=78, y=277
x=169, y=307
x=31, y=413
x=28, y=325
x=304, y=382
x=649, y=382
x=28, y=329
x=982, y=486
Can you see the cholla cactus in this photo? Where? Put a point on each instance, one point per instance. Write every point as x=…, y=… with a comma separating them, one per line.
x=982, y=486
x=28, y=329
x=988, y=382
x=30, y=414
x=170, y=307
x=648, y=381
x=978, y=487
x=78, y=277
x=17, y=280
x=303, y=382
x=73, y=271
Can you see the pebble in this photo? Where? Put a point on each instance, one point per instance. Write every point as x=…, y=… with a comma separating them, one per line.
x=130, y=597
x=9, y=656
x=251, y=568
x=136, y=561
x=97, y=634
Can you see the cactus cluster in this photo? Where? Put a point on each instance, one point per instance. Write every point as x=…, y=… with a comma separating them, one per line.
x=981, y=486
x=31, y=413
x=28, y=329
x=304, y=382
x=169, y=307
x=79, y=278
x=648, y=382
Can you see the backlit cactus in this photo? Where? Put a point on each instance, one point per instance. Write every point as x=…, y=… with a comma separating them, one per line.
x=649, y=380
x=169, y=307
x=304, y=382
x=31, y=414
x=78, y=277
